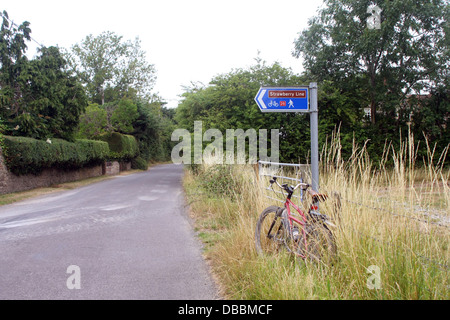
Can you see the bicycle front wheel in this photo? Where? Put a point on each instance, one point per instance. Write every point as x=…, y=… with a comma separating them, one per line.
x=270, y=231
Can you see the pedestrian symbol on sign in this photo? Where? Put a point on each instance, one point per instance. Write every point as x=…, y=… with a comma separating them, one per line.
x=291, y=104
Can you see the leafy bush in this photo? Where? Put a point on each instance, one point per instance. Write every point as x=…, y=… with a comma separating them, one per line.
x=122, y=147
x=2, y=130
x=93, y=122
x=95, y=151
x=219, y=180
x=2, y=126
x=26, y=155
x=139, y=163
x=123, y=116
x=51, y=98
x=196, y=169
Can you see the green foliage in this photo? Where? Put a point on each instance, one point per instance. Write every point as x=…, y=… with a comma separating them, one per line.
x=218, y=181
x=2, y=126
x=385, y=69
x=431, y=119
x=13, y=64
x=118, y=78
x=139, y=163
x=153, y=129
x=149, y=123
x=26, y=155
x=38, y=98
x=123, y=116
x=386, y=63
x=56, y=99
x=122, y=147
x=112, y=68
x=94, y=151
x=93, y=122
x=2, y=130
x=341, y=111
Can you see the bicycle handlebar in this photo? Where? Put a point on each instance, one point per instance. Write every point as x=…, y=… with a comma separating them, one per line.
x=290, y=189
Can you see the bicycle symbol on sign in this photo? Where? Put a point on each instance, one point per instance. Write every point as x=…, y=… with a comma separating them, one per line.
x=273, y=104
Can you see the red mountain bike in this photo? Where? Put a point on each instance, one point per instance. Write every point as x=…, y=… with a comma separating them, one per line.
x=306, y=236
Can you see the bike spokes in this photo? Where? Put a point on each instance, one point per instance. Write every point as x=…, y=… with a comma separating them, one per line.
x=320, y=244
x=271, y=233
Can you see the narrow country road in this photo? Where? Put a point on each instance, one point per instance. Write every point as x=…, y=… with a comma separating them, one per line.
x=128, y=237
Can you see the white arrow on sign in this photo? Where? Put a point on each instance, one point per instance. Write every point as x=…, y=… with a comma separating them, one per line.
x=261, y=102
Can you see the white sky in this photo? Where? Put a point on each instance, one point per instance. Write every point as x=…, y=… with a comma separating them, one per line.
x=190, y=40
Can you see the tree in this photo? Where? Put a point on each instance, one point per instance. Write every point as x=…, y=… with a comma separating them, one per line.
x=112, y=68
x=123, y=116
x=13, y=64
x=93, y=122
x=39, y=98
x=406, y=53
x=56, y=98
x=153, y=129
x=432, y=119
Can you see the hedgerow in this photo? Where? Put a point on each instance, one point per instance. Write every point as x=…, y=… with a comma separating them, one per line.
x=122, y=147
x=27, y=155
x=139, y=163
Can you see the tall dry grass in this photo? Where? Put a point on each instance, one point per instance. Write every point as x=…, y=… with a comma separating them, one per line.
x=390, y=219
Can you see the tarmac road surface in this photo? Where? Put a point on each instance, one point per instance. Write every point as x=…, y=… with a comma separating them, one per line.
x=128, y=237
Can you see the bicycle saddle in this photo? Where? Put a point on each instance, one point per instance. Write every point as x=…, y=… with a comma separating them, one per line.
x=317, y=196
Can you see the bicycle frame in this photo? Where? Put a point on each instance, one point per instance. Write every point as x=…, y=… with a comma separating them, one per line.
x=291, y=218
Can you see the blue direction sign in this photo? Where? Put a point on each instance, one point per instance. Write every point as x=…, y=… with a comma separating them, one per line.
x=283, y=99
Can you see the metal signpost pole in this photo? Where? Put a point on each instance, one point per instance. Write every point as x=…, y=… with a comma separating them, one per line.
x=314, y=123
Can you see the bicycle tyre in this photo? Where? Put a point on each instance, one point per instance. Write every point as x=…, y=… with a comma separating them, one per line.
x=321, y=246
x=270, y=231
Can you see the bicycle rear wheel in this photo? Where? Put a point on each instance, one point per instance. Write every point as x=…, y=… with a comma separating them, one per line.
x=320, y=244
x=270, y=231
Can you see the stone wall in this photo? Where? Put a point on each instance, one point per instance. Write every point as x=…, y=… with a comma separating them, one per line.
x=9, y=182
x=3, y=174
x=125, y=166
x=111, y=168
